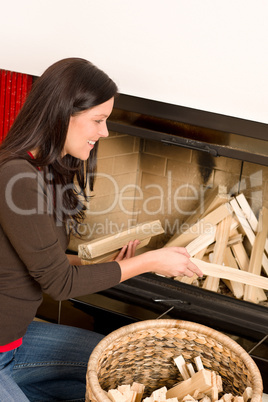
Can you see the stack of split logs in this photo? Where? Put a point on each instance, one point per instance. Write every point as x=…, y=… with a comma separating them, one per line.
x=197, y=386
x=223, y=237
x=228, y=242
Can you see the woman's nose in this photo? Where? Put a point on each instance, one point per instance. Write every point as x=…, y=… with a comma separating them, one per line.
x=104, y=131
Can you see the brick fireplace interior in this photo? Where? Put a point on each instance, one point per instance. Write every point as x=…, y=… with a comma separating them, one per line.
x=140, y=180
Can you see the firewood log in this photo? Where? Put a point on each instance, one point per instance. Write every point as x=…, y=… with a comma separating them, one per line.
x=255, y=261
x=200, y=380
x=110, y=243
x=233, y=274
x=201, y=226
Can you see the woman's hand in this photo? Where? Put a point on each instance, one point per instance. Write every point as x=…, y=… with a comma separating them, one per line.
x=173, y=261
x=127, y=251
x=167, y=261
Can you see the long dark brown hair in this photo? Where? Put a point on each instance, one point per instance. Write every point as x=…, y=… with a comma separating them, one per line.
x=65, y=89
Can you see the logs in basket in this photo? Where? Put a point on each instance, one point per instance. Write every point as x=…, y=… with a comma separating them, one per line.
x=143, y=352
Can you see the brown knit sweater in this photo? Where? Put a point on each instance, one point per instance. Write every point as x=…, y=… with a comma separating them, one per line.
x=32, y=252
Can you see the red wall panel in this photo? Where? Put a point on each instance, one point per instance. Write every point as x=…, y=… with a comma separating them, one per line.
x=14, y=88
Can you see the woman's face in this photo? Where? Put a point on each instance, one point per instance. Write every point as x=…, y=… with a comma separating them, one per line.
x=86, y=128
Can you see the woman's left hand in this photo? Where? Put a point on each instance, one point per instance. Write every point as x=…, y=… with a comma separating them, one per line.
x=127, y=251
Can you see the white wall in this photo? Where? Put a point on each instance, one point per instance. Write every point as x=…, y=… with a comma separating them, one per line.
x=205, y=54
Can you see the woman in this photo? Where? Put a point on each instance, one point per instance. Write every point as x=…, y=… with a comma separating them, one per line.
x=52, y=143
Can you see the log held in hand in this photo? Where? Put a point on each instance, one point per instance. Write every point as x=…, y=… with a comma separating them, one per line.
x=112, y=242
x=221, y=271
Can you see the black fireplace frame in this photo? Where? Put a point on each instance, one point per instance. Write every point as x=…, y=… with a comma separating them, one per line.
x=218, y=123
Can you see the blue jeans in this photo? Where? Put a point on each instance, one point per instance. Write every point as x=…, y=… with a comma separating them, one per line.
x=50, y=365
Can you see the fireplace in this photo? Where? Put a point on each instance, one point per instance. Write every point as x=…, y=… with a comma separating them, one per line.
x=160, y=162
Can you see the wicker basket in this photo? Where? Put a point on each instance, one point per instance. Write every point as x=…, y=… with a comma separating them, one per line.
x=143, y=352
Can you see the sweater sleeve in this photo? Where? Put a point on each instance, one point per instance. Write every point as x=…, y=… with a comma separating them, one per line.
x=27, y=221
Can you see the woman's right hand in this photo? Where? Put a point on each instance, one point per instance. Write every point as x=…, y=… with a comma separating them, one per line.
x=173, y=261
x=167, y=261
